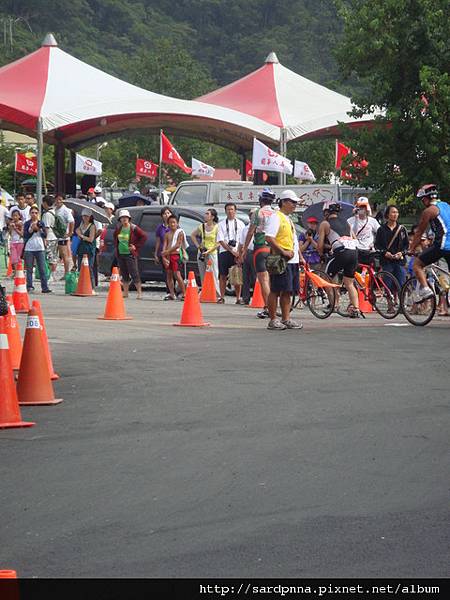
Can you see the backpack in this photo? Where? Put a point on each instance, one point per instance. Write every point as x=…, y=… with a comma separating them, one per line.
x=59, y=227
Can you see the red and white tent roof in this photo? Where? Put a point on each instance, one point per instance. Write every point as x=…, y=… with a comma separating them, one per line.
x=275, y=94
x=77, y=103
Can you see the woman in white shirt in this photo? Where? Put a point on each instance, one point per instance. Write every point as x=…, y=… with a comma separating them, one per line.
x=34, y=234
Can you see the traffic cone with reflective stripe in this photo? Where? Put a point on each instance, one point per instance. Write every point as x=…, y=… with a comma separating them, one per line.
x=37, y=305
x=13, y=333
x=192, y=312
x=9, y=405
x=84, y=287
x=34, y=385
x=257, y=300
x=9, y=270
x=115, y=306
x=208, y=293
x=20, y=294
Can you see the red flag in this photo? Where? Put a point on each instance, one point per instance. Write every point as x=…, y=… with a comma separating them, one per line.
x=169, y=154
x=248, y=168
x=145, y=168
x=26, y=163
x=341, y=151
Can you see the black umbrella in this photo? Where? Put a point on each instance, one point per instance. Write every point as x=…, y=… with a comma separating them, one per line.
x=128, y=200
x=78, y=205
x=316, y=210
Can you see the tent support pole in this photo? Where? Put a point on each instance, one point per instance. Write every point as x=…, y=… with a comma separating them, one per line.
x=40, y=163
x=243, y=165
x=283, y=150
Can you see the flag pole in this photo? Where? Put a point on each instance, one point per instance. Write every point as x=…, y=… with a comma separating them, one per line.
x=159, y=168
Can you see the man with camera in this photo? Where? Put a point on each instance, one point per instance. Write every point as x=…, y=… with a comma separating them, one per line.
x=228, y=235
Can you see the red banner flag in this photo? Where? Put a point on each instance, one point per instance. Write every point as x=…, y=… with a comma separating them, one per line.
x=169, y=154
x=341, y=152
x=248, y=169
x=26, y=163
x=146, y=168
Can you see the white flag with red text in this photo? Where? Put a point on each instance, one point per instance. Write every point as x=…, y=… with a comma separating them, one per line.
x=265, y=159
x=302, y=171
x=87, y=165
x=200, y=168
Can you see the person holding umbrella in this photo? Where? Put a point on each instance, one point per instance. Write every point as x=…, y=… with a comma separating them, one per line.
x=128, y=240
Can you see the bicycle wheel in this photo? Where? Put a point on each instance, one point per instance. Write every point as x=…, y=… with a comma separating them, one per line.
x=342, y=300
x=320, y=301
x=417, y=313
x=384, y=294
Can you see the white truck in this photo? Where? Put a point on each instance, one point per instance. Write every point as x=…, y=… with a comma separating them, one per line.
x=195, y=193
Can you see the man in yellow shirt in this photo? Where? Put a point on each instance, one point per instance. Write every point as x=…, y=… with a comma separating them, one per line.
x=283, y=242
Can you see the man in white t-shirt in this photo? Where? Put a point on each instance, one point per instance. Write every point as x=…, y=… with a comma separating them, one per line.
x=365, y=228
x=64, y=242
x=23, y=207
x=228, y=236
x=51, y=241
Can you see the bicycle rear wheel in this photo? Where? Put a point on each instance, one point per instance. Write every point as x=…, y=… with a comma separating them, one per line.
x=417, y=313
x=384, y=294
x=342, y=299
x=320, y=300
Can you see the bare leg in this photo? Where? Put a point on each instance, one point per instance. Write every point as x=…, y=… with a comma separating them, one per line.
x=352, y=291
x=272, y=302
x=420, y=273
x=237, y=289
x=223, y=285
x=285, y=303
x=264, y=282
x=170, y=283
x=180, y=282
x=139, y=290
x=126, y=288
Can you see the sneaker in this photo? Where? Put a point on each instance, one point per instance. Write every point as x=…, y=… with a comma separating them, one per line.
x=263, y=314
x=275, y=324
x=291, y=324
x=422, y=294
x=47, y=291
x=169, y=297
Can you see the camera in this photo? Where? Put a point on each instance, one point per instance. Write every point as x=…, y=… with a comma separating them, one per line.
x=310, y=233
x=202, y=251
x=232, y=243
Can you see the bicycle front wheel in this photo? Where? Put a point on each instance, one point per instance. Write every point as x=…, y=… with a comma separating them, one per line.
x=417, y=313
x=320, y=300
x=384, y=294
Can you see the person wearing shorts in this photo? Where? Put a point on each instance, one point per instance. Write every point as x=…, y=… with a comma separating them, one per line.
x=228, y=235
x=281, y=237
x=261, y=248
x=174, y=243
x=129, y=239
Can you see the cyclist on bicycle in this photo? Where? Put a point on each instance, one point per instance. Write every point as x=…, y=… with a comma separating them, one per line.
x=343, y=244
x=261, y=248
x=437, y=216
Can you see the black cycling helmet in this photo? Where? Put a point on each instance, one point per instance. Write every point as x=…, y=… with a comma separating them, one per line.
x=429, y=189
x=267, y=196
x=332, y=207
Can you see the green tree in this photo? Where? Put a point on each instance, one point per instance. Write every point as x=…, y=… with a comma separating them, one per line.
x=398, y=53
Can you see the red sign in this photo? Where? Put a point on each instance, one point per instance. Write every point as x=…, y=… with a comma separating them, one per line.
x=26, y=164
x=248, y=169
x=146, y=168
x=169, y=154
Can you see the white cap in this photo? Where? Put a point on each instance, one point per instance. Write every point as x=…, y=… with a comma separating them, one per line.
x=109, y=205
x=98, y=189
x=362, y=201
x=289, y=195
x=86, y=212
x=124, y=213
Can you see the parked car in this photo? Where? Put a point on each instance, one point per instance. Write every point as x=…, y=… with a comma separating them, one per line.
x=148, y=218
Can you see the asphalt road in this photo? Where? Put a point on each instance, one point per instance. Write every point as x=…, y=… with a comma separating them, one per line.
x=231, y=451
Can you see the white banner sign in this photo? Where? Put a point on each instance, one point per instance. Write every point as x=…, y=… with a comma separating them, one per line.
x=302, y=171
x=265, y=159
x=88, y=165
x=200, y=168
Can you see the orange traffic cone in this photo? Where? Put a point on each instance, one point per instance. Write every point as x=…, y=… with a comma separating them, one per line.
x=192, y=312
x=13, y=333
x=34, y=385
x=84, y=287
x=20, y=294
x=37, y=306
x=364, y=305
x=208, y=293
x=257, y=298
x=115, y=306
x=8, y=573
x=9, y=405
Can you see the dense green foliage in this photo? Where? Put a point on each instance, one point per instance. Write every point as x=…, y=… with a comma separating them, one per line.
x=398, y=51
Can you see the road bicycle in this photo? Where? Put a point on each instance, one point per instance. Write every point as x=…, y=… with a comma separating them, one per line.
x=421, y=312
x=379, y=288
x=316, y=291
